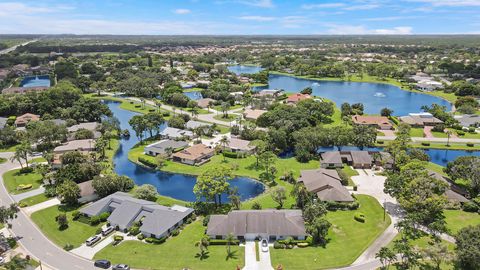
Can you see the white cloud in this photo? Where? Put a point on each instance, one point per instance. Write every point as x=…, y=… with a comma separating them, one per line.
x=362, y=30
x=182, y=11
x=18, y=8
x=326, y=5
x=257, y=18
x=362, y=7
x=449, y=3
x=257, y=3
x=391, y=18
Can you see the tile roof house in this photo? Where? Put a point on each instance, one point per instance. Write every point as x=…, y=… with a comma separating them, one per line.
x=205, y=102
x=420, y=119
x=175, y=133
x=250, y=224
x=293, y=99
x=76, y=145
x=22, y=120
x=87, y=192
x=269, y=93
x=156, y=220
x=194, y=155
x=250, y=114
x=92, y=126
x=239, y=146
x=159, y=148
x=379, y=122
x=331, y=159
x=326, y=184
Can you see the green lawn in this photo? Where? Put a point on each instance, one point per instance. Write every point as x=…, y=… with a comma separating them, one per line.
x=437, y=134
x=219, y=107
x=13, y=178
x=436, y=168
x=350, y=172
x=416, y=132
x=453, y=146
x=469, y=135
x=458, y=219
x=176, y=253
x=347, y=239
x=3, y=160
x=230, y=117
x=34, y=200
x=76, y=233
x=422, y=242
x=9, y=149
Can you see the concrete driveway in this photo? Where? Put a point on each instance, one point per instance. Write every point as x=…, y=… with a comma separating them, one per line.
x=89, y=252
x=251, y=262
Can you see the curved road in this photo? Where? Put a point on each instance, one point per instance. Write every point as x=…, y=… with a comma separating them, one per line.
x=32, y=239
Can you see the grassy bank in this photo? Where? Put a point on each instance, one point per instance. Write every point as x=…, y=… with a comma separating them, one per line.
x=12, y=179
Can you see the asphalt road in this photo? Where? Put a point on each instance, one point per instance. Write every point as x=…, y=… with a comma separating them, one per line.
x=7, y=50
x=32, y=239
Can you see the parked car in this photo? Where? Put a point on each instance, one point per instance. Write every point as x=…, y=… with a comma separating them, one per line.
x=121, y=267
x=92, y=240
x=107, y=230
x=2, y=260
x=105, y=264
x=264, y=245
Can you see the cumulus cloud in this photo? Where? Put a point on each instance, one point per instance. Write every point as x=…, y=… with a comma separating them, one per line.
x=257, y=3
x=362, y=30
x=449, y=3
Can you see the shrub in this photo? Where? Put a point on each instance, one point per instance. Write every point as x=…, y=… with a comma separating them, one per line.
x=302, y=245
x=25, y=170
x=289, y=246
x=438, y=128
x=166, y=114
x=206, y=220
x=117, y=238
x=50, y=191
x=104, y=216
x=256, y=206
x=471, y=129
x=470, y=207
x=380, y=142
x=470, y=144
x=460, y=133
x=68, y=247
x=222, y=242
x=147, y=162
x=309, y=240
x=360, y=217
x=277, y=245
x=175, y=232
x=134, y=230
x=230, y=154
x=99, y=231
x=95, y=220
x=22, y=204
x=138, y=106
x=151, y=110
x=76, y=214
x=332, y=206
x=12, y=243
x=141, y=237
x=155, y=241
x=425, y=143
x=24, y=186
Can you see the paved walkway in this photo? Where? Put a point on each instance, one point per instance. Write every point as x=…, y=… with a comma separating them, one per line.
x=251, y=262
x=28, y=194
x=439, y=140
x=427, y=131
x=40, y=206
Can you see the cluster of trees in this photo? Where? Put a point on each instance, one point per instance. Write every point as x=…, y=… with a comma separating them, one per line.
x=220, y=90
x=465, y=171
x=172, y=93
x=467, y=105
x=463, y=88
x=64, y=100
x=150, y=122
x=353, y=109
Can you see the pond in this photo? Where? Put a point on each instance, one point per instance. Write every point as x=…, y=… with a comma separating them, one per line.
x=35, y=81
x=374, y=96
x=241, y=69
x=178, y=186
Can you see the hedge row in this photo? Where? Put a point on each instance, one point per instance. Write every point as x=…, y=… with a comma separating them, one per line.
x=147, y=162
x=222, y=242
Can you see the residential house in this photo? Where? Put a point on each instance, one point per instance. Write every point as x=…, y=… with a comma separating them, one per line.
x=378, y=122
x=87, y=192
x=239, y=146
x=23, y=120
x=92, y=126
x=155, y=220
x=468, y=120
x=361, y=159
x=175, y=133
x=205, y=102
x=295, y=98
x=326, y=184
x=194, y=155
x=269, y=93
x=420, y=119
x=192, y=124
x=160, y=148
x=258, y=224
x=454, y=193
x=75, y=145
x=253, y=114
x=331, y=159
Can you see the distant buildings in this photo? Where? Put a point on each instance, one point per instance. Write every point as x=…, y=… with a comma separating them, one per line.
x=175, y=133
x=23, y=120
x=468, y=120
x=205, y=102
x=76, y=145
x=378, y=122
x=239, y=146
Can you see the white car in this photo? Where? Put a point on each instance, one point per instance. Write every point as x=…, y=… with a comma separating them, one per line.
x=92, y=240
x=264, y=245
x=107, y=230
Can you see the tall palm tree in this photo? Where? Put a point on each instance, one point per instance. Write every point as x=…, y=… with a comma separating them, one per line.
x=229, y=239
x=449, y=133
x=223, y=143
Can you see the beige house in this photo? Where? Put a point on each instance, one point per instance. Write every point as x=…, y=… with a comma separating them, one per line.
x=250, y=114
x=194, y=155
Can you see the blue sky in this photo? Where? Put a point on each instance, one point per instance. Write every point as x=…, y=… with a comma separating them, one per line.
x=225, y=17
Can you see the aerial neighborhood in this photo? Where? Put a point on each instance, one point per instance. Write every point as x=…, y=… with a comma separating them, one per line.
x=240, y=152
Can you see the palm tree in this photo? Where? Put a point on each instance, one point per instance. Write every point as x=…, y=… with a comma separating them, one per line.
x=16, y=157
x=100, y=145
x=229, y=239
x=224, y=143
x=203, y=246
x=449, y=133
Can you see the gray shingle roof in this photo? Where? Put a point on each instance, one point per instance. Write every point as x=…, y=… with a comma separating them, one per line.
x=271, y=222
x=192, y=124
x=361, y=157
x=326, y=184
x=92, y=126
x=332, y=157
x=159, y=147
x=175, y=133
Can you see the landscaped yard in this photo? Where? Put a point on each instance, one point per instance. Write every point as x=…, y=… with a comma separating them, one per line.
x=350, y=172
x=457, y=219
x=34, y=200
x=177, y=252
x=12, y=179
x=76, y=233
x=3, y=160
x=230, y=117
x=416, y=132
x=348, y=239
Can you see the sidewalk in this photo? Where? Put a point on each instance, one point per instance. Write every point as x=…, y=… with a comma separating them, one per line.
x=40, y=206
x=28, y=194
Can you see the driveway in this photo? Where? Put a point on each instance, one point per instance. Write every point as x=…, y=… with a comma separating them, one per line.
x=28, y=194
x=90, y=251
x=427, y=131
x=40, y=206
x=251, y=262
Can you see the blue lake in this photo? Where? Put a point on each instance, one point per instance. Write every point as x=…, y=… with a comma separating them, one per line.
x=35, y=81
x=194, y=95
x=240, y=69
x=374, y=96
x=178, y=186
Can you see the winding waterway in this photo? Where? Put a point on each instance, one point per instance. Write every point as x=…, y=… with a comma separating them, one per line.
x=175, y=185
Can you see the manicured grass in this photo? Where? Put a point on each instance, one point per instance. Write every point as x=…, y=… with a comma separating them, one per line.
x=443, y=145
x=230, y=117
x=436, y=168
x=469, y=135
x=34, y=200
x=422, y=242
x=458, y=219
x=9, y=149
x=3, y=160
x=109, y=153
x=76, y=233
x=350, y=172
x=176, y=253
x=13, y=178
x=416, y=132
x=347, y=239
x=437, y=134
x=219, y=107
